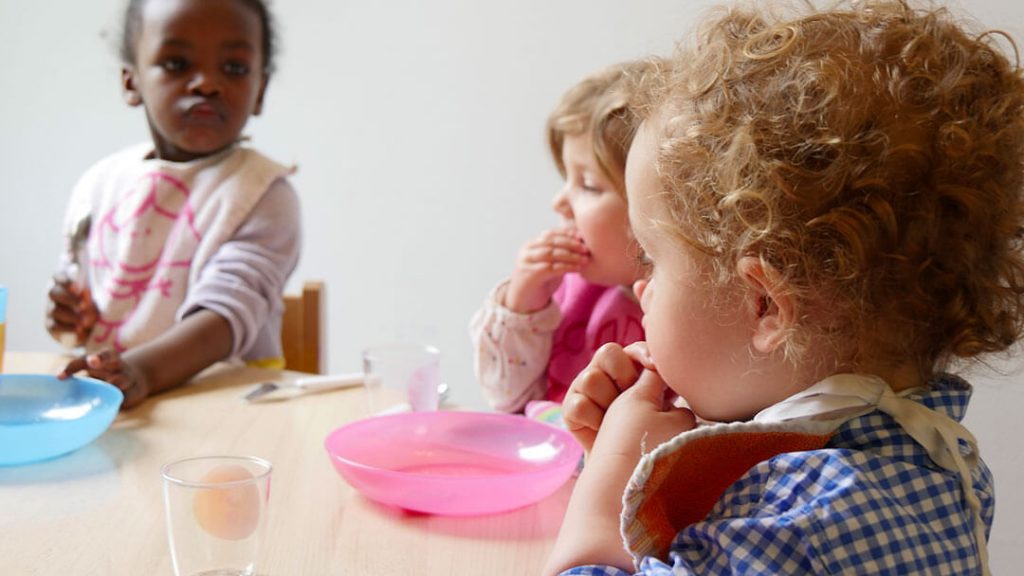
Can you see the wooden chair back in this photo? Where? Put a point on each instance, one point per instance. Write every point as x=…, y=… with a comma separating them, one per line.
x=302, y=330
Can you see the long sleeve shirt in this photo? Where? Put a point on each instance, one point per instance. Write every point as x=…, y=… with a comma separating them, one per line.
x=524, y=357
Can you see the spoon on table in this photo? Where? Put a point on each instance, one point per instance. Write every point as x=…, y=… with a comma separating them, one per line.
x=311, y=384
x=306, y=384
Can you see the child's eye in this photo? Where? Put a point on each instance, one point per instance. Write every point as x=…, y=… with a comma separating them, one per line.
x=236, y=68
x=174, y=64
x=592, y=187
x=644, y=263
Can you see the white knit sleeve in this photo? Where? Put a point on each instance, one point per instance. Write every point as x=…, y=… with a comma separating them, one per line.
x=512, y=351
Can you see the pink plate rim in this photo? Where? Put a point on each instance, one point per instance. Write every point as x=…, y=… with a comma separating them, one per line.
x=571, y=456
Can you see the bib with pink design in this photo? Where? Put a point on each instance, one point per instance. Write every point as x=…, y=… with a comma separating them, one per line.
x=154, y=226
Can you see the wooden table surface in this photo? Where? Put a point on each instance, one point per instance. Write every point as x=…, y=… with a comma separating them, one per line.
x=99, y=510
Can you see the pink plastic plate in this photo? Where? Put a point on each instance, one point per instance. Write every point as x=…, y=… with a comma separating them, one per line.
x=453, y=463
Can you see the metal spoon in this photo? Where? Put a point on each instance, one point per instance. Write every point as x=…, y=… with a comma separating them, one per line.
x=322, y=383
x=307, y=384
x=76, y=272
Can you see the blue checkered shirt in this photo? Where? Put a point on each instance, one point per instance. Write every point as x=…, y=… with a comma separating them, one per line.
x=870, y=502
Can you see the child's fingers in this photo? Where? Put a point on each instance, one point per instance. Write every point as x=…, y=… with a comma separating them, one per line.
x=582, y=417
x=592, y=391
x=107, y=361
x=586, y=438
x=103, y=365
x=543, y=261
x=651, y=389
x=642, y=411
x=612, y=360
x=580, y=411
x=556, y=244
x=89, y=314
x=70, y=310
x=62, y=319
x=547, y=254
x=124, y=382
x=61, y=293
x=596, y=386
x=610, y=371
x=109, y=366
x=639, y=353
x=86, y=302
x=75, y=365
x=558, y=239
x=564, y=238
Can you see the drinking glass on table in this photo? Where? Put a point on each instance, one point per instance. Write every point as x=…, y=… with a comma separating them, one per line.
x=216, y=511
x=413, y=370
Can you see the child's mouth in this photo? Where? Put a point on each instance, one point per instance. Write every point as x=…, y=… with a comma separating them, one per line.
x=203, y=111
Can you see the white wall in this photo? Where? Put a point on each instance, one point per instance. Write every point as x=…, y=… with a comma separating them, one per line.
x=418, y=131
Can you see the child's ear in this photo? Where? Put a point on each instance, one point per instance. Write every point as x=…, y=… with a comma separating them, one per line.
x=129, y=92
x=771, y=307
x=259, y=98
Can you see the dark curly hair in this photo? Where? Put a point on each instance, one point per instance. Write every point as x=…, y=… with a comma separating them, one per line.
x=872, y=154
x=133, y=18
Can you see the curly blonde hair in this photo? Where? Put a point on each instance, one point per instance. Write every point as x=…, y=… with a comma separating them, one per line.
x=602, y=105
x=873, y=155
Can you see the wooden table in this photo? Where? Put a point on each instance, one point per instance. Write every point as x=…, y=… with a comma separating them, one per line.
x=99, y=511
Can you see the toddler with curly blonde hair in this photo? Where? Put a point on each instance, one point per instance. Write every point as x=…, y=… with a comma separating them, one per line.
x=832, y=203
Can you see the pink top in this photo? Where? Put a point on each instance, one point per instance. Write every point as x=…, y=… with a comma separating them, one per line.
x=525, y=357
x=592, y=315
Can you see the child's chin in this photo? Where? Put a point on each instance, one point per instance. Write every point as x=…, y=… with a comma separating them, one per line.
x=597, y=276
x=203, y=150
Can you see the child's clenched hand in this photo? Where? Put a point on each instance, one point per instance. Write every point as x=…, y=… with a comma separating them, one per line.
x=111, y=367
x=621, y=395
x=610, y=372
x=540, y=266
x=71, y=310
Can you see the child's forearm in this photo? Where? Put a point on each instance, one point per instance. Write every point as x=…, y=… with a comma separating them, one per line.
x=512, y=352
x=168, y=361
x=590, y=530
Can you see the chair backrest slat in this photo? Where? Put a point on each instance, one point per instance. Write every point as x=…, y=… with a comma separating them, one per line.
x=301, y=328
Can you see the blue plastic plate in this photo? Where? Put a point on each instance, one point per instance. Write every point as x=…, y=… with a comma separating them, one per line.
x=42, y=417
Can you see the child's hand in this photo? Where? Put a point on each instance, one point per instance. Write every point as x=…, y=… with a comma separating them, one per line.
x=606, y=387
x=111, y=367
x=640, y=419
x=615, y=407
x=540, y=266
x=610, y=372
x=71, y=310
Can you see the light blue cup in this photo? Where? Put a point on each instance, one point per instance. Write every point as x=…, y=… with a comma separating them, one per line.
x=42, y=417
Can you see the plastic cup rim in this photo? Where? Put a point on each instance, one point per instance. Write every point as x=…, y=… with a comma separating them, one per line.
x=267, y=467
x=377, y=352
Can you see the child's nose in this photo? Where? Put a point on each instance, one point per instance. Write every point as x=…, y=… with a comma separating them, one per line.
x=204, y=84
x=561, y=204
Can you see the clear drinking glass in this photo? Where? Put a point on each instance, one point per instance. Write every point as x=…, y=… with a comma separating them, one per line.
x=216, y=511
x=414, y=370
